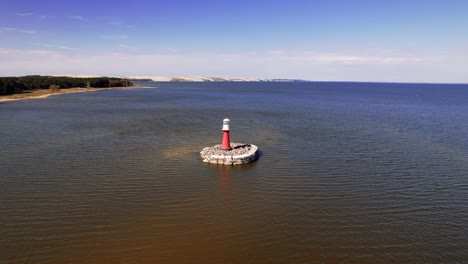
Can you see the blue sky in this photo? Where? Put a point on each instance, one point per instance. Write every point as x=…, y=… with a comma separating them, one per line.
x=402, y=41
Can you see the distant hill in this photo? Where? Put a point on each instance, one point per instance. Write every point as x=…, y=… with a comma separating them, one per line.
x=171, y=79
x=203, y=79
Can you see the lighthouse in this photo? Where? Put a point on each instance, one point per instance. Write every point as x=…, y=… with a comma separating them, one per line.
x=226, y=144
x=229, y=153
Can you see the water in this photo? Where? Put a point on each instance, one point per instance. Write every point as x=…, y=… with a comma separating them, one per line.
x=353, y=172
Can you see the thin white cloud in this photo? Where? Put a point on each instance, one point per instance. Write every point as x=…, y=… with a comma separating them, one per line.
x=114, y=23
x=114, y=37
x=24, y=14
x=12, y=29
x=47, y=16
x=77, y=17
x=7, y=29
x=60, y=47
x=127, y=47
x=173, y=50
x=27, y=31
x=341, y=58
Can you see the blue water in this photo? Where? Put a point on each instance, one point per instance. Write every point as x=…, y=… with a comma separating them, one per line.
x=349, y=172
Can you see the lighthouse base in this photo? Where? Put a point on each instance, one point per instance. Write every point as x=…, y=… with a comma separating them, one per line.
x=238, y=154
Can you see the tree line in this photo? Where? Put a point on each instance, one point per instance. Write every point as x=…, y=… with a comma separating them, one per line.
x=13, y=85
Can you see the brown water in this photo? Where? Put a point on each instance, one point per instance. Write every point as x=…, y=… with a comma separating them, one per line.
x=349, y=172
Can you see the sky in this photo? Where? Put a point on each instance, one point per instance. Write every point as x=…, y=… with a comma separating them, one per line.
x=384, y=41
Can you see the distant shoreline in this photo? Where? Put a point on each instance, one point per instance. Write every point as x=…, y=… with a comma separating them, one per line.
x=44, y=93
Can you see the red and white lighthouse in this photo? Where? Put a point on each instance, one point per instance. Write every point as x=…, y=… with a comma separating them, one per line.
x=226, y=144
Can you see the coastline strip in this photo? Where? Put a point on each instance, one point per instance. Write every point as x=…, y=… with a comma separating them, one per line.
x=44, y=93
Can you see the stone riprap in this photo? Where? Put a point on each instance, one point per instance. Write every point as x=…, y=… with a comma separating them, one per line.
x=238, y=155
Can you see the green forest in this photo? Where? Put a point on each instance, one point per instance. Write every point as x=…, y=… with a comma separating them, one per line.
x=13, y=85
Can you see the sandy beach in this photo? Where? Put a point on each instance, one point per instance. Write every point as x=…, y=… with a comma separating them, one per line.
x=43, y=93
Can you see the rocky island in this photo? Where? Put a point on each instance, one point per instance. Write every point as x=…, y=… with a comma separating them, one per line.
x=238, y=155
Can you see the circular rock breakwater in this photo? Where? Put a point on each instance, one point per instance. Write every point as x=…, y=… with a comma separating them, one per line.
x=238, y=154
